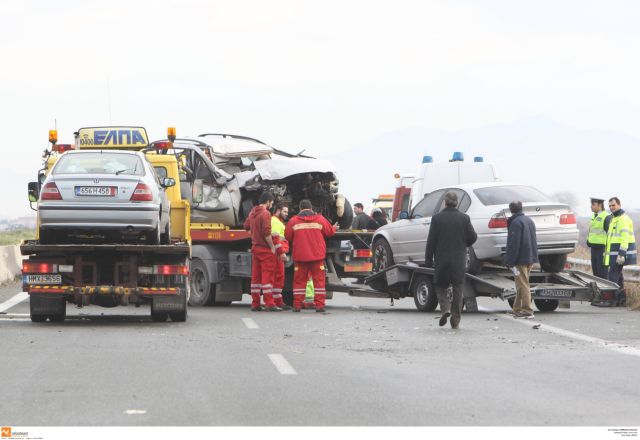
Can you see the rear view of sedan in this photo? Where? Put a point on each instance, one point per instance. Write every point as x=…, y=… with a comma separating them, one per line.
x=109, y=195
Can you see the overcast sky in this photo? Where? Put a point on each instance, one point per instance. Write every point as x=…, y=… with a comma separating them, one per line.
x=321, y=75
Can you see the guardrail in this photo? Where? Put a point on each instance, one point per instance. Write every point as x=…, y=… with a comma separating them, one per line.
x=631, y=273
x=10, y=262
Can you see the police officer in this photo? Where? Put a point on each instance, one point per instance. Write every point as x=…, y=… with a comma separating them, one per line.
x=620, y=249
x=597, y=239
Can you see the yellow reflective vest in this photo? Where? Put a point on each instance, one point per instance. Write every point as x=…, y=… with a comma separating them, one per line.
x=597, y=234
x=620, y=240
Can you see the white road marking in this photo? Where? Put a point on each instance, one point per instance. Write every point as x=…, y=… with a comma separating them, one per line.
x=15, y=315
x=15, y=319
x=135, y=411
x=250, y=323
x=281, y=364
x=17, y=299
x=602, y=343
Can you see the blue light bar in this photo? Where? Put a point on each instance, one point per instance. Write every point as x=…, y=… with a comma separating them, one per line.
x=457, y=157
x=478, y=159
x=427, y=159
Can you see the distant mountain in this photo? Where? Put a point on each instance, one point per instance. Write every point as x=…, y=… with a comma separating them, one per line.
x=536, y=150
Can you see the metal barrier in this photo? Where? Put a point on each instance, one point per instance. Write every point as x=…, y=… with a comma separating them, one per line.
x=631, y=273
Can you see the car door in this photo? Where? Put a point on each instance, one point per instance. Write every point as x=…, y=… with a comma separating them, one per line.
x=410, y=239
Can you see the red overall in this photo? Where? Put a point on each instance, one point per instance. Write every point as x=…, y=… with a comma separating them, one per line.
x=307, y=232
x=262, y=262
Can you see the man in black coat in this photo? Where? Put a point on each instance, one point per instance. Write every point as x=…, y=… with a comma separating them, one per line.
x=522, y=253
x=450, y=235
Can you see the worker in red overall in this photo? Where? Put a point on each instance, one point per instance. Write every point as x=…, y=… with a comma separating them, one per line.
x=306, y=233
x=262, y=254
x=280, y=215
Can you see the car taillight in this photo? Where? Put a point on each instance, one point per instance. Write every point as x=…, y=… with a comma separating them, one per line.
x=362, y=253
x=568, y=219
x=498, y=221
x=142, y=193
x=165, y=269
x=32, y=267
x=50, y=192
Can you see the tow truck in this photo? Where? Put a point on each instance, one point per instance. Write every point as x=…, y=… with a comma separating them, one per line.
x=205, y=263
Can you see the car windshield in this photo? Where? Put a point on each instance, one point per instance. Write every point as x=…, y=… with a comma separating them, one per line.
x=99, y=163
x=503, y=195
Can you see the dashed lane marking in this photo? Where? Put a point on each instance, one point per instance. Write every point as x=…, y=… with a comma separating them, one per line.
x=135, y=412
x=15, y=300
x=250, y=323
x=602, y=343
x=281, y=364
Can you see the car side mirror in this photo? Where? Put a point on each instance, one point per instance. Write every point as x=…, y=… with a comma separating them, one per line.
x=33, y=191
x=197, y=191
x=41, y=178
x=403, y=215
x=168, y=182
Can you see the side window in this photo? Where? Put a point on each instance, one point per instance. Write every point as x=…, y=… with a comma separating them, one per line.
x=463, y=200
x=428, y=205
x=161, y=172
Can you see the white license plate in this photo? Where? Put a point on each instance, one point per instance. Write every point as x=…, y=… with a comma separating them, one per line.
x=43, y=279
x=543, y=220
x=105, y=191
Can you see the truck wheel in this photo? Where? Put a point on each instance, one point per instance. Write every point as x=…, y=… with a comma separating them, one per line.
x=424, y=294
x=200, y=285
x=153, y=236
x=382, y=255
x=474, y=266
x=546, y=305
x=553, y=263
x=182, y=315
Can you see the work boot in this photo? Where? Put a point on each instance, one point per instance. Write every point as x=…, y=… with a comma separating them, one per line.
x=257, y=309
x=455, y=322
x=443, y=318
x=523, y=315
x=320, y=310
x=295, y=309
x=284, y=307
x=274, y=309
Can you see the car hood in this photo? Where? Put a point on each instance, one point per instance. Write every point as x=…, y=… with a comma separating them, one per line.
x=282, y=167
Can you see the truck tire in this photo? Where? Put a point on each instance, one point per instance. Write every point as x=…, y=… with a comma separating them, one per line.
x=553, y=263
x=181, y=316
x=346, y=220
x=546, y=305
x=154, y=236
x=200, y=284
x=382, y=255
x=424, y=294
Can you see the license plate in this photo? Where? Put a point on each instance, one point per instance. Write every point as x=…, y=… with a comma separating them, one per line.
x=358, y=267
x=555, y=293
x=104, y=191
x=42, y=279
x=543, y=220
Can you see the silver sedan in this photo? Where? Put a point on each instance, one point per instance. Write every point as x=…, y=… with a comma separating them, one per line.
x=488, y=206
x=112, y=195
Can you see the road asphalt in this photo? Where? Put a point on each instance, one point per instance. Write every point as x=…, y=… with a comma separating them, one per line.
x=363, y=362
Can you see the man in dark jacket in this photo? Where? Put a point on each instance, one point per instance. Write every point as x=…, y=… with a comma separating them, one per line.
x=362, y=221
x=450, y=235
x=522, y=253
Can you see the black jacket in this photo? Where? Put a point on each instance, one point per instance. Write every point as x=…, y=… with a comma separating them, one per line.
x=522, y=245
x=450, y=234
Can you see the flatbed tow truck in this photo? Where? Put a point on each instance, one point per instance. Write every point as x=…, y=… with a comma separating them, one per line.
x=547, y=289
x=204, y=264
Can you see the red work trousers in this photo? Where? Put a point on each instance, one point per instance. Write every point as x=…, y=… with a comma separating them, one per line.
x=262, y=267
x=304, y=270
x=278, y=281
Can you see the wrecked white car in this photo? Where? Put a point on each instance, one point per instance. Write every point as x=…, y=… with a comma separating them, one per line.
x=223, y=176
